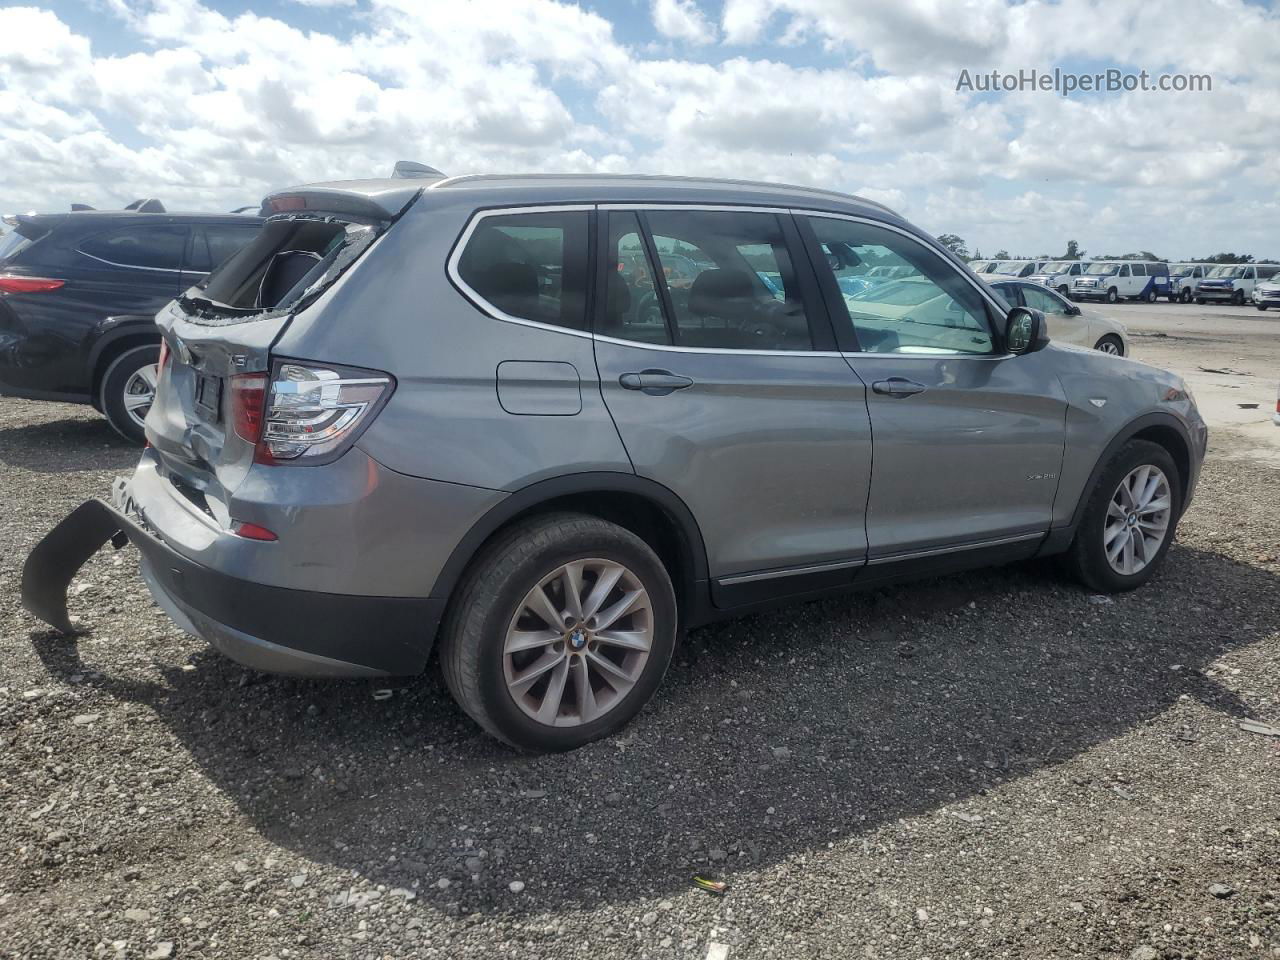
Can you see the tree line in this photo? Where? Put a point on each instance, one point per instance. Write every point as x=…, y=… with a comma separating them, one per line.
x=957, y=245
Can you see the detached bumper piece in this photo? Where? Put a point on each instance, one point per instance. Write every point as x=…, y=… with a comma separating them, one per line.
x=275, y=629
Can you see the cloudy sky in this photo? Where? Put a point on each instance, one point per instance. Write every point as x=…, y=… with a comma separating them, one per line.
x=209, y=105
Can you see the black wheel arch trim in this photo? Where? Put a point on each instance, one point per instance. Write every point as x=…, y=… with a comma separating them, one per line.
x=113, y=332
x=595, y=482
x=1060, y=538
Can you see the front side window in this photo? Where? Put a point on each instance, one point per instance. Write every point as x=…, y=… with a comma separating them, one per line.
x=146, y=246
x=730, y=280
x=926, y=308
x=530, y=266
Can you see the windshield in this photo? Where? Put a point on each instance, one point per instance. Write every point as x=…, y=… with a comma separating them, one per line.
x=1009, y=267
x=1102, y=269
x=1226, y=270
x=1057, y=266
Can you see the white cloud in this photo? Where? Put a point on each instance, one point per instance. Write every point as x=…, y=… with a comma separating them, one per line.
x=211, y=110
x=682, y=20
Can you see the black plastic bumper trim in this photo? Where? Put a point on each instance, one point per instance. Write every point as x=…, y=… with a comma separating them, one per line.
x=393, y=635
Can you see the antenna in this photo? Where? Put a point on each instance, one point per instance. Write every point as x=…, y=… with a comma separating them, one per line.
x=412, y=170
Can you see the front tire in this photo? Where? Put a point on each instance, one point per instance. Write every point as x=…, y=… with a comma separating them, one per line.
x=1200, y=300
x=1129, y=520
x=560, y=633
x=1260, y=307
x=128, y=389
x=1110, y=344
x=1185, y=295
x=1112, y=295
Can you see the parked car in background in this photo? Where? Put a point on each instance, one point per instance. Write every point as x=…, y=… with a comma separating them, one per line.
x=1234, y=282
x=345, y=452
x=1058, y=274
x=1016, y=268
x=981, y=266
x=1266, y=293
x=78, y=296
x=1184, y=278
x=1113, y=280
x=1067, y=322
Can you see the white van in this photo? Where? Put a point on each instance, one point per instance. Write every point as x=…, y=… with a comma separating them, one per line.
x=1058, y=275
x=1234, y=282
x=1112, y=280
x=1184, y=278
x=1016, y=268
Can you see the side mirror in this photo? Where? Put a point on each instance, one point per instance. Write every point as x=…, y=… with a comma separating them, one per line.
x=1073, y=310
x=1024, y=331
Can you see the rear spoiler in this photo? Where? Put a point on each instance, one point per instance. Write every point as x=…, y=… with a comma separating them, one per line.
x=371, y=199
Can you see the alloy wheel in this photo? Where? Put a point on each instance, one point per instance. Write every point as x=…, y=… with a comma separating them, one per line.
x=1138, y=518
x=140, y=392
x=1107, y=345
x=578, y=642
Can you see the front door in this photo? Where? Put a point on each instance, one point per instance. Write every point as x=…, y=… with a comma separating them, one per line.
x=968, y=439
x=718, y=364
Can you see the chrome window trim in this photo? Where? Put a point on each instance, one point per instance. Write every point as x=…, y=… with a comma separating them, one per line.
x=131, y=266
x=494, y=313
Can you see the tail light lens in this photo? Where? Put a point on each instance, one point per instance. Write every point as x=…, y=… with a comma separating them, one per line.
x=11, y=283
x=313, y=413
x=248, y=393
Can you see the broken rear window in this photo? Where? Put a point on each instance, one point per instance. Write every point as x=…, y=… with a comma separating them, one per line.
x=290, y=262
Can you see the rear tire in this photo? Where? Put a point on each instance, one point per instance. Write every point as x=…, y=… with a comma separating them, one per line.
x=1101, y=527
x=127, y=390
x=1150, y=296
x=1200, y=300
x=494, y=636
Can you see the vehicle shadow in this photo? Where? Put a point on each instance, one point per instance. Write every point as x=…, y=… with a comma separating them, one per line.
x=771, y=736
x=71, y=445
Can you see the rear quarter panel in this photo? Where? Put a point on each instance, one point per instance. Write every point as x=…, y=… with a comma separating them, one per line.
x=397, y=311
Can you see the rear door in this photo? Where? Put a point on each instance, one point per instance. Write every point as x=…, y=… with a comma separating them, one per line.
x=726, y=387
x=968, y=439
x=211, y=245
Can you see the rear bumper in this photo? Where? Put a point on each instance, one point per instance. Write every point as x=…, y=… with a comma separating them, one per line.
x=276, y=629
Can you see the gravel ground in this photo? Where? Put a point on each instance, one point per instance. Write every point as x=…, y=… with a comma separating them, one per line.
x=989, y=765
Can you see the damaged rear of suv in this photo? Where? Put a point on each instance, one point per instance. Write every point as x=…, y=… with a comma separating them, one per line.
x=208, y=505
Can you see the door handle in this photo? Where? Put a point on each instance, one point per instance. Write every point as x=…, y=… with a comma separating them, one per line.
x=898, y=387
x=655, y=383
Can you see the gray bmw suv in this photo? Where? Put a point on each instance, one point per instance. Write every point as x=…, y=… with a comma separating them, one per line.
x=488, y=415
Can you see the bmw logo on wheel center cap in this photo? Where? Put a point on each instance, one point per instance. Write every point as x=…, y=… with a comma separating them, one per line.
x=577, y=639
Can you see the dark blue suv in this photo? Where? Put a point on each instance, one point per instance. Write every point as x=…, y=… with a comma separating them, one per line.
x=78, y=296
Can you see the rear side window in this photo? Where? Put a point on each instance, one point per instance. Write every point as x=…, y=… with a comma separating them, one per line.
x=1266, y=273
x=730, y=280
x=529, y=266
x=144, y=247
x=1139, y=269
x=1158, y=269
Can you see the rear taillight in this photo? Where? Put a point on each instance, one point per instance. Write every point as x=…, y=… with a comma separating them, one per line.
x=12, y=283
x=252, y=531
x=314, y=413
x=248, y=393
